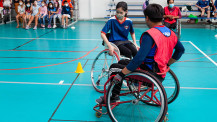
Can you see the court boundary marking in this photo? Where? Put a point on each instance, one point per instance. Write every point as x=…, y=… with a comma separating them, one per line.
x=89, y=85
x=50, y=119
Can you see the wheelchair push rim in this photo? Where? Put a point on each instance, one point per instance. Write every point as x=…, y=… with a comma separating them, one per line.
x=100, y=68
x=132, y=105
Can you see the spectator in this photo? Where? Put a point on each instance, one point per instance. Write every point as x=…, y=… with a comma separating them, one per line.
x=28, y=12
x=71, y=5
x=65, y=14
x=215, y=10
x=6, y=10
x=48, y=1
x=57, y=14
x=39, y=3
x=1, y=8
x=42, y=14
x=203, y=7
x=35, y=13
x=171, y=14
x=51, y=9
x=21, y=13
x=16, y=4
x=29, y=1
x=212, y=7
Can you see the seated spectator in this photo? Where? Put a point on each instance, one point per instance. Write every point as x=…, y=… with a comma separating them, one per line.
x=16, y=4
x=29, y=1
x=35, y=13
x=39, y=2
x=48, y=1
x=21, y=13
x=51, y=9
x=71, y=5
x=65, y=14
x=42, y=14
x=1, y=8
x=212, y=7
x=57, y=14
x=215, y=10
x=203, y=7
x=28, y=12
x=6, y=10
x=171, y=14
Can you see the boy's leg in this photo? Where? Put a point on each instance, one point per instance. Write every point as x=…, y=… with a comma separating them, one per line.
x=63, y=20
x=67, y=20
x=202, y=12
x=115, y=69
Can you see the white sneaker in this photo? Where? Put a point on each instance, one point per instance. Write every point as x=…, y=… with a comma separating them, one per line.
x=54, y=26
x=35, y=28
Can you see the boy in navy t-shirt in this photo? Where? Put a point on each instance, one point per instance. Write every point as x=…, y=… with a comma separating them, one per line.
x=203, y=7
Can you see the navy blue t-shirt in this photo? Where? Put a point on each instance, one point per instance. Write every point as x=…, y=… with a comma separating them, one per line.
x=118, y=31
x=203, y=3
x=66, y=10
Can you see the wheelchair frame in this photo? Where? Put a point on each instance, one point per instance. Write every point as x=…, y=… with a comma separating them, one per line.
x=149, y=93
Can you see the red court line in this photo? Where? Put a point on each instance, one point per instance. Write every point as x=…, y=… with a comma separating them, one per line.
x=54, y=64
x=197, y=58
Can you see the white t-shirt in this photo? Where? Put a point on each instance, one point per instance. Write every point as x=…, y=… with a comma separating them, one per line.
x=7, y=3
x=35, y=10
x=21, y=10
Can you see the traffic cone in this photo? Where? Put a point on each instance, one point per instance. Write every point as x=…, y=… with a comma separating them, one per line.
x=79, y=68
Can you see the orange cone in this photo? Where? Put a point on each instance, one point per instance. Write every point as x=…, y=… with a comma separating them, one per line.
x=79, y=68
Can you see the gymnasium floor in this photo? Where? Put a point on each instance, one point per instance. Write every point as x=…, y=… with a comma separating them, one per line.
x=34, y=62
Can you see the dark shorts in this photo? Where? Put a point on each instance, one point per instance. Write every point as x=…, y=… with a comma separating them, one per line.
x=205, y=10
x=170, y=26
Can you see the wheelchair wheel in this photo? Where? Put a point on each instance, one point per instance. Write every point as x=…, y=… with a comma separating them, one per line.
x=100, y=68
x=171, y=86
x=132, y=105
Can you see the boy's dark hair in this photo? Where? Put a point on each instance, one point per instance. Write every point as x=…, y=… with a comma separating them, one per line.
x=65, y=2
x=122, y=5
x=155, y=12
x=168, y=1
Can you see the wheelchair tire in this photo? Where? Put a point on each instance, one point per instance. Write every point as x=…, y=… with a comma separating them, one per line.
x=132, y=105
x=100, y=68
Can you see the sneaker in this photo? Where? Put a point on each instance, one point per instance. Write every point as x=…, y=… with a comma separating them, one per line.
x=209, y=21
x=54, y=26
x=27, y=27
x=35, y=28
x=112, y=100
x=100, y=100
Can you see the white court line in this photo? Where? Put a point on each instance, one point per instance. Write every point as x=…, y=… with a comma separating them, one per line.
x=204, y=53
x=46, y=38
x=196, y=88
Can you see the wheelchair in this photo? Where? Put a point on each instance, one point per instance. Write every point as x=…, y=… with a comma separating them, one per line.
x=101, y=64
x=146, y=101
x=100, y=74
